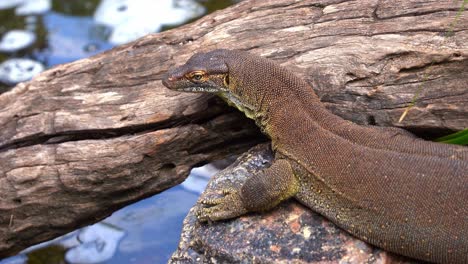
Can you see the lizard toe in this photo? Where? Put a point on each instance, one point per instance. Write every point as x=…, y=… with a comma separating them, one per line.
x=215, y=201
x=226, y=207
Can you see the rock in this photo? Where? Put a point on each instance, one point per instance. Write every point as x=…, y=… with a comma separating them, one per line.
x=291, y=233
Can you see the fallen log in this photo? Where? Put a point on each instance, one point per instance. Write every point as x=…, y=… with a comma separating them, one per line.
x=86, y=138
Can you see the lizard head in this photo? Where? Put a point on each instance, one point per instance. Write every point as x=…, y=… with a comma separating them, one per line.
x=203, y=72
x=209, y=73
x=220, y=72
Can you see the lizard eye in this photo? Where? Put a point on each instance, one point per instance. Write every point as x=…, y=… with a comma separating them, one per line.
x=197, y=75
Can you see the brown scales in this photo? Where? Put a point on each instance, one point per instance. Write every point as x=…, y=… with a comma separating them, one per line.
x=383, y=185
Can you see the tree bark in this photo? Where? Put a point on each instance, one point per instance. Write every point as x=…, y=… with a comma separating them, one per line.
x=84, y=139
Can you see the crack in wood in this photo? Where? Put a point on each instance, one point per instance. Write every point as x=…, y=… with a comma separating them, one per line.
x=93, y=134
x=415, y=14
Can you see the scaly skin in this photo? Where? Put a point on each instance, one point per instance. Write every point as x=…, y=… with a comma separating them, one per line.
x=384, y=186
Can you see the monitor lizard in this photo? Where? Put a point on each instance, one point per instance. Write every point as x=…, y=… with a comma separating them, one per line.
x=382, y=185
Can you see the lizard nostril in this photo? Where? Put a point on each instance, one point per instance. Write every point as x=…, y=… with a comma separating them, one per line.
x=168, y=81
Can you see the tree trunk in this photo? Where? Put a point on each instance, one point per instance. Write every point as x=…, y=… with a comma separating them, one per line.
x=86, y=138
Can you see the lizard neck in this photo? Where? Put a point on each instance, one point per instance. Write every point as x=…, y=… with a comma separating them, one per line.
x=297, y=100
x=263, y=90
x=266, y=92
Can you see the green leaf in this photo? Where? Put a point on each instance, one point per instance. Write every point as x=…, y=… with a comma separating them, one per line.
x=458, y=138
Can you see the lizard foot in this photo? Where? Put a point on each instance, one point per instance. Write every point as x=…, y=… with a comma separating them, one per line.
x=226, y=207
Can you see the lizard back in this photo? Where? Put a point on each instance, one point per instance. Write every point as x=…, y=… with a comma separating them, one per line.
x=391, y=189
x=382, y=185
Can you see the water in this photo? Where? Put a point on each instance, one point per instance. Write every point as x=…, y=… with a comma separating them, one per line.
x=56, y=32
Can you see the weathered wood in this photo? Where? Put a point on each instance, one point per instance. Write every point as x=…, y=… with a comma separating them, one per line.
x=86, y=138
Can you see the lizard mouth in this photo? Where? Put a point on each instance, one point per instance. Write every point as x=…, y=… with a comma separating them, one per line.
x=198, y=89
x=171, y=83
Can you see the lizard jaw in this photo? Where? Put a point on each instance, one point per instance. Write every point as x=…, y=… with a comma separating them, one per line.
x=198, y=89
x=176, y=84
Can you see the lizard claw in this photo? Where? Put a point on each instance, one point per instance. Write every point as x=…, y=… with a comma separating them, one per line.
x=226, y=207
x=216, y=201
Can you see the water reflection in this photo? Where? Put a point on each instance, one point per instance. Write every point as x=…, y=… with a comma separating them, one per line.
x=55, y=32
x=131, y=19
x=145, y=232
x=65, y=45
